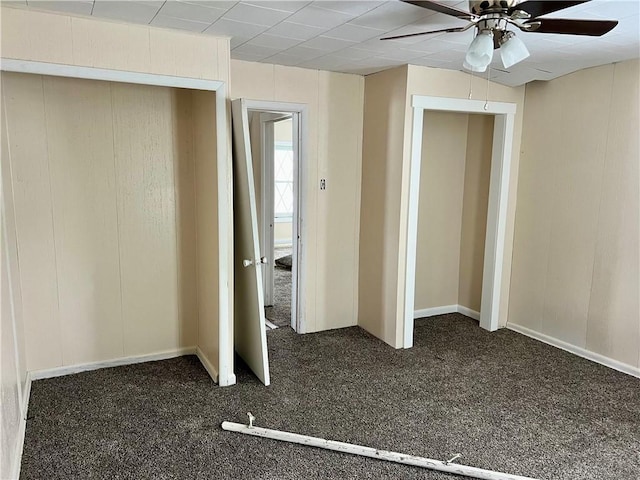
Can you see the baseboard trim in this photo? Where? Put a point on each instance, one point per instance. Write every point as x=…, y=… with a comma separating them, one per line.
x=22, y=430
x=433, y=311
x=579, y=351
x=116, y=362
x=208, y=366
x=469, y=313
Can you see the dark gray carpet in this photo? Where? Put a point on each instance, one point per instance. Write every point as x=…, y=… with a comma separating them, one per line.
x=504, y=401
x=280, y=312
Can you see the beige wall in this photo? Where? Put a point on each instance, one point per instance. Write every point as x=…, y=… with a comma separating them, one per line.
x=474, y=210
x=13, y=374
x=452, y=215
x=88, y=42
x=384, y=109
x=387, y=148
x=575, y=259
x=206, y=217
x=104, y=222
x=442, y=178
x=332, y=216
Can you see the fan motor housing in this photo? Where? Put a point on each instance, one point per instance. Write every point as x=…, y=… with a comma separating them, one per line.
x=480, y=7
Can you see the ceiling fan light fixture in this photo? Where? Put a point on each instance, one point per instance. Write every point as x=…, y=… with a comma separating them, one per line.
x=471, y=68
x=480, y=52
x=512, y=50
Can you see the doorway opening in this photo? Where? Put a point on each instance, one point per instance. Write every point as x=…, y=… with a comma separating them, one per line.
x=275, y=148
x=276, y=138
x=497, y=203
x=452, y=213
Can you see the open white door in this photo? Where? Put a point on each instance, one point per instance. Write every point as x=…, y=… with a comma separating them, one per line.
x=250, y=335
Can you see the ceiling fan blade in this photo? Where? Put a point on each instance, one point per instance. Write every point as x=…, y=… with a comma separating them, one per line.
x=446, y=9
x=444, y=30
x=594, y=28
x=539, y=8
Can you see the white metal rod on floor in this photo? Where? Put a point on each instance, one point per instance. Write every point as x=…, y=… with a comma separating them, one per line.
x=370, y=452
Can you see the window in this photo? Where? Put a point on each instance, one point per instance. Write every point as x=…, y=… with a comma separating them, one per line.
x=283, y=175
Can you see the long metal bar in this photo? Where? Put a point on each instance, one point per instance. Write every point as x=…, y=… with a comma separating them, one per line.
x=442, y=466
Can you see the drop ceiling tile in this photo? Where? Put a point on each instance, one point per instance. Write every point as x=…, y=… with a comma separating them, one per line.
x=304, y=52
x=319, y=17
x=392, y=15
x=402, y=55
x=295, y=30
x=274, y=41
x=237, y=41
x=77, y=7
x=256, y=15
x=134, y=12
x=327, y=44
x=355, y=53
x=326, y=62
x=212, y=3
x=258, y=50
x=350, y=7
x=354, y=33
x=285, y=6
x=179, y=23
x=231, y=28
x=284, y=59
x=247, y=57
x=191, y=11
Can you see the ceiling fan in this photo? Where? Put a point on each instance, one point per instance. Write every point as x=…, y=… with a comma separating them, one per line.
x=491, y=19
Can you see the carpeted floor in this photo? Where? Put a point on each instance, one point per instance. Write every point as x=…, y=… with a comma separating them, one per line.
x=504, y=401
x=280, y=312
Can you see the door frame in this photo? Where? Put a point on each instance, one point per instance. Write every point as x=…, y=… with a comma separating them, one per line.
x=225, y=375
x=300, y=114
x=494, y=253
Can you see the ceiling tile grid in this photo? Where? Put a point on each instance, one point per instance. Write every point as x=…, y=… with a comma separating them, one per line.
x=344, y=36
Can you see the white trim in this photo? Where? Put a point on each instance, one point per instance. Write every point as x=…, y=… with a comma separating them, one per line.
x=211, y=370
x=91, y=73
x=16, y=458
x=22, y=430
x=469, y=313
x=267, y=134
x=225, y=242
x=433, y=311
x=116, y=362
x=579, y=351
x=271, y=325
x=462, y=105
x=497, y=209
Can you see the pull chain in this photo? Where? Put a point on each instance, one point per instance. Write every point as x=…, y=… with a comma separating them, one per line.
x=470, y=84
x=486, y=98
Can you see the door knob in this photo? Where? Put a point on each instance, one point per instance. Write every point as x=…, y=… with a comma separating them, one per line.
x=246, y=262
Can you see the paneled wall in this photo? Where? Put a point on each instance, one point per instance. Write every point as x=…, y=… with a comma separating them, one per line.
x=452, y=216
x=444, y=152
x=576, y=258
x=89, y=42
x=13, y=376
x=206, y=217
x=103, y=177
x=474, y=210
x=332, y=216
